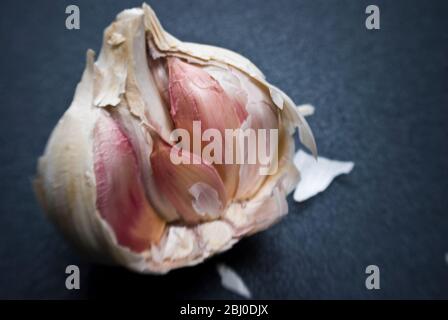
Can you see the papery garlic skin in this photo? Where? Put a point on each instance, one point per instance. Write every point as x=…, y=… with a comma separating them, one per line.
x=105, y=177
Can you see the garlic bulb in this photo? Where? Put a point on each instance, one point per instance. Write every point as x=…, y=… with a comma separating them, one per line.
x=107, y=179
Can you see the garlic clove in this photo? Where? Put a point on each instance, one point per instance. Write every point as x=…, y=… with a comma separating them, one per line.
x=121, y=199
x=141, y=140
x=261, y=114
x=196, y=96
x=193, y=186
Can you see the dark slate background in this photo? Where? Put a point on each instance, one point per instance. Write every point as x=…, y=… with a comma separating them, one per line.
x=381, y=99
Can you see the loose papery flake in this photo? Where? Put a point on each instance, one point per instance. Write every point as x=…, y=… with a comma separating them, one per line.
x=316, y=174
x=232, y=281
x=305, y=109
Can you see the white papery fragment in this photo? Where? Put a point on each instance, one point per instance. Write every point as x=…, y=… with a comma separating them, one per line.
x=316, y=175
x=205, y=200
x=232, y=281
x=215, y=235
x=305, y=109
x=179, y=243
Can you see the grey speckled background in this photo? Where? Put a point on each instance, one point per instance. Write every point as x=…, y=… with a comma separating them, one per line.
x=381, y=101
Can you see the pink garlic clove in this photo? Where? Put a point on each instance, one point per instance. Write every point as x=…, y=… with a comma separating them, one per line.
x=121, y=197
x=193, y=187
x=196, y=96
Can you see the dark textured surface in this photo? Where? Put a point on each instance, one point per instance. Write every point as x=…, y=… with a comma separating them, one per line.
x=381, y=101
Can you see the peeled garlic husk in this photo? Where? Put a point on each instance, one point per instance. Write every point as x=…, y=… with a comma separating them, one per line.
x=105, y=180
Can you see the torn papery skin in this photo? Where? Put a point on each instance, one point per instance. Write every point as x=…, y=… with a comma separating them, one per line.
x=316, y=176
x=117, y=129
x=232, y=281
